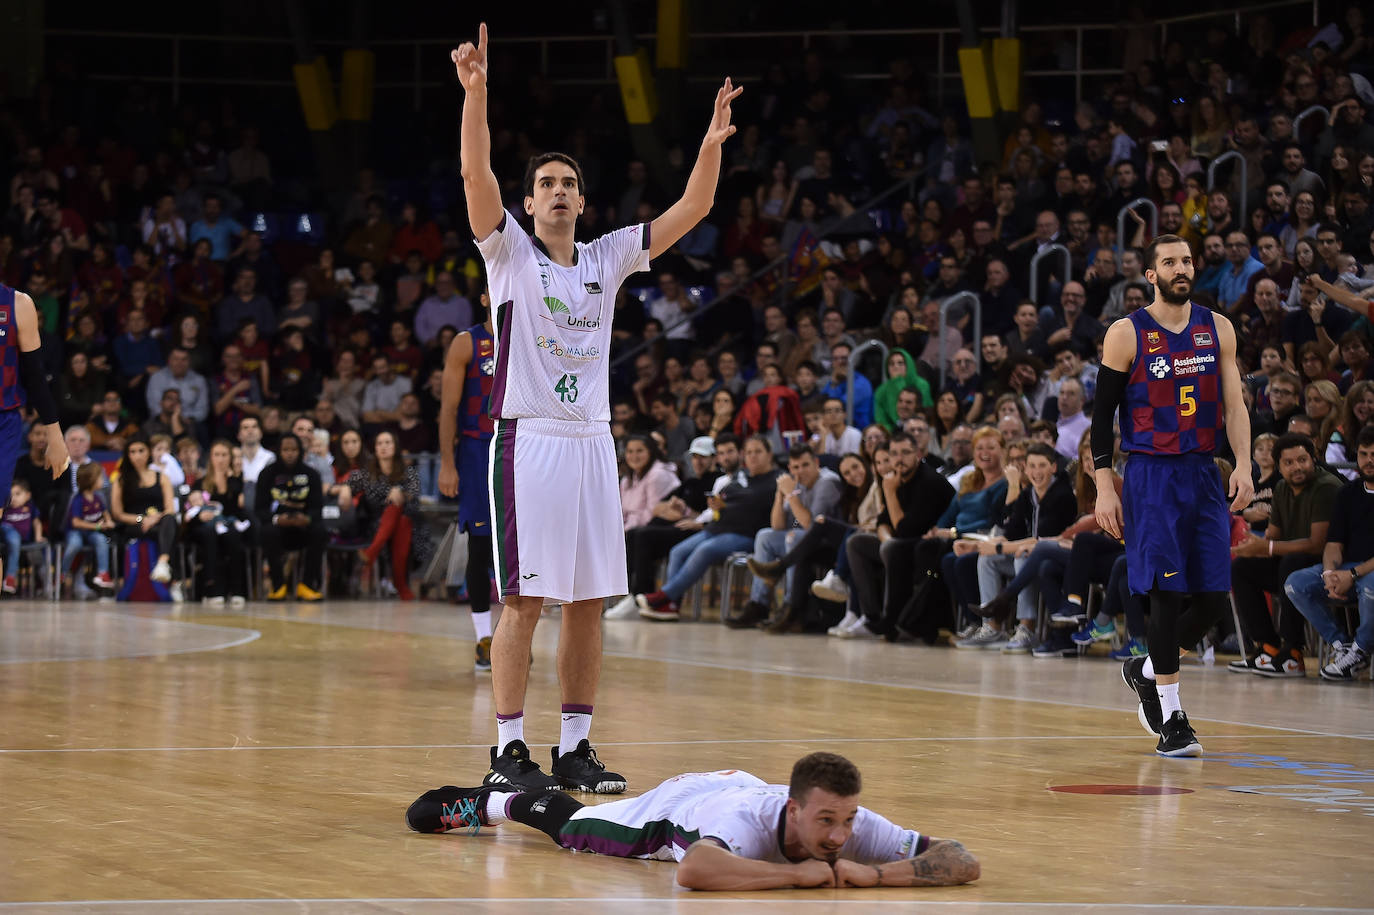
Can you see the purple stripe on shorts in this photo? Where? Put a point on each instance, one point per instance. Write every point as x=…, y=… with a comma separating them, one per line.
x=569, y=709
x=509, y=535
x=508, y=803
x=519, y=714
x=498, y=383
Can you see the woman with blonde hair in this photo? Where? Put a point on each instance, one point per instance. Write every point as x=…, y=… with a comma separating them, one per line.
x=1358, y=413
x=1324, y=405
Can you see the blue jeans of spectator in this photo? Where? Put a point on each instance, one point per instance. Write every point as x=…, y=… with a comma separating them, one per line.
x=1307, y=592
x=689, y=560
x=768, y=546
x=98, y=542
x=961, y=577
x=12, y=544
x=996, y=569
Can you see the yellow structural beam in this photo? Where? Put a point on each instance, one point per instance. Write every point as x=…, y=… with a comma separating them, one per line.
x=636, y=87
x=980, y=87
x=356, y=84
x=316, y=94
x=1006, y=63
x=671, y=50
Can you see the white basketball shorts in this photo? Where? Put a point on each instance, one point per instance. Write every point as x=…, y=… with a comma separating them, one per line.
x=555, y=507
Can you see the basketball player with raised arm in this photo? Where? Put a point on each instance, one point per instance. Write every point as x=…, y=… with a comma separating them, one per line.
x=727, y=830
x=557, y=533
x=23, y=382
x=465, y=414
x=1171, y=368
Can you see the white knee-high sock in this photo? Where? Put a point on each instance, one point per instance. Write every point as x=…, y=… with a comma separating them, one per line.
x=1168, y=699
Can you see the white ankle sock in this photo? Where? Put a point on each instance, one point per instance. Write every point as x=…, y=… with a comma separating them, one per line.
x=1168, y=699
x=1148, y=671
x=509, y=728
x=496, y=807
x=482, y=623
x=577, y=724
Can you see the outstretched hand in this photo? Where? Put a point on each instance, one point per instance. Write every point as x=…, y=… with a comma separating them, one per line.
x=1241, y=490
x=471, y=62
x=721, y=129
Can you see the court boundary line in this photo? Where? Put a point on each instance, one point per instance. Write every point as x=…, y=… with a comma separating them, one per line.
x=251, y=635
x=686, y=896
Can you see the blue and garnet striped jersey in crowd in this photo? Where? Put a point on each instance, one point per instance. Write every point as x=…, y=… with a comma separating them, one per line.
x=1173, y=394
x=11, y=390
x=474, y=413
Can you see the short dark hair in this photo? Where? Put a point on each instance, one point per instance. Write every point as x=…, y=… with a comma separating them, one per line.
x=828, y=771
x=1045, y=451
x=666, y=398
x=544, y=159
x=800, y=450
x=727, y=438
x=1152, y=252
x=1295, y=440
x=904, y=436
x=1363, y=440
x=1044, y=425
x=762, y=440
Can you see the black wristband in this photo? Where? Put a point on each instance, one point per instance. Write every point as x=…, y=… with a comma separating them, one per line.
x=36, y=386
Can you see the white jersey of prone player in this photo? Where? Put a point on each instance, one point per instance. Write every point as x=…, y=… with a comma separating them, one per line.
x=553, y=323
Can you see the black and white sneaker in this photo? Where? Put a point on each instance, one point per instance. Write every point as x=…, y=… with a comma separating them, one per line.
x=516, y=771
x=580, y=770
x=1244, y=665
x=1150, y=713
x=1348, y=661
x=1177, y=737
x=448, y=808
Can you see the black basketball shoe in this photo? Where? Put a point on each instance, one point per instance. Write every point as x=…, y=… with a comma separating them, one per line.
x=580, y=770
x=1177, y=737
x=1150, y=714
x=516, y=771
x=448, y=808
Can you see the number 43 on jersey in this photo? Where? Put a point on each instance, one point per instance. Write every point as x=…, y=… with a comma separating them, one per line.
x=566, y=389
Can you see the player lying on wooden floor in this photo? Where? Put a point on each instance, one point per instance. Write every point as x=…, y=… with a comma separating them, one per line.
x=727, y=830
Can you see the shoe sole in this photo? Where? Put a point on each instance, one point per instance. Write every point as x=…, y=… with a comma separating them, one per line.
x=1056, y=655
x=1193, y=749
x=835, y=597
x=660, y=617
x=1241, y=670
x=1140, y=708
x=1337, y=678
x=599, y=788
x=1281, y=674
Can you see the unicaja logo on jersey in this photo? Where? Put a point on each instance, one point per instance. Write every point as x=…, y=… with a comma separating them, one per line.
x=1160, y=367
x=557, y=307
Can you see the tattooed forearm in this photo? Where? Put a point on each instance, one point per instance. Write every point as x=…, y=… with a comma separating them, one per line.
x=944, y=863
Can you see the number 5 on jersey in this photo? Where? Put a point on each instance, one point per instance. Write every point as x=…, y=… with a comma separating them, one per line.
x=566, y=389
x=1187, y=403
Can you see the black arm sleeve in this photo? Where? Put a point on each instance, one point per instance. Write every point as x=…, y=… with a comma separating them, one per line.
x=36, y=386
x=1111, y=387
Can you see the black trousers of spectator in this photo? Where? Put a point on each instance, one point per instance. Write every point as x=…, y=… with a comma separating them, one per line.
x=164, y=532
x=645, y=547
x=885, y=579
x=222, y=557
x=1090, y=562
x=278, y=541
x=820, y=542
x=1251, y=577
x=478, y=573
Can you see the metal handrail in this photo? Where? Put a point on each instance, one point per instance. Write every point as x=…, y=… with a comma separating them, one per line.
x=854, y=370
x=1040, y=255
x=977, y=303
x=1244, y=178
x=1121, y=220
x=1297, y=121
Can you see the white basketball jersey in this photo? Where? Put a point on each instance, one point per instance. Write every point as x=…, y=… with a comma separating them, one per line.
x=553, y=323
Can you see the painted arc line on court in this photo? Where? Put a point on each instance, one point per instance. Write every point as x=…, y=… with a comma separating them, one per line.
x=1119, y=790
x=250, y=635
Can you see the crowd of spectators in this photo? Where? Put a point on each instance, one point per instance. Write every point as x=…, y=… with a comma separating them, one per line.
x=181, y=297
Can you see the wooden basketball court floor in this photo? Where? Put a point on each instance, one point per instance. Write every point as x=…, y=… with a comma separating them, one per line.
x=156, y=759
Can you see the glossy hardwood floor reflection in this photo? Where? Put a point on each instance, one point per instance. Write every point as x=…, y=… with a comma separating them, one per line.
x=260, y=760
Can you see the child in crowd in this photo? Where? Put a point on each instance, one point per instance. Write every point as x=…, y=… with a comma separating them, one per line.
x=88, y=519
x=164, y=462
x=19, y=526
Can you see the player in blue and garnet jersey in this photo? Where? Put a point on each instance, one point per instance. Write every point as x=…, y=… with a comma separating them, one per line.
x=469, y=369
x=1171, y=368
x=23, y=382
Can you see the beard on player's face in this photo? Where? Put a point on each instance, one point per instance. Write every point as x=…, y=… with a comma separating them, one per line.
x=1175, y=290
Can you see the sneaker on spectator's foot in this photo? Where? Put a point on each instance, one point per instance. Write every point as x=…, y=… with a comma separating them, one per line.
x=1094, y=632
x=162, y=572
x=215, y=600
x=750, y=615
x=832, y=588
x=103, y=582
x=1229, y=645
x=1283, y=663
x=278, y=594
x=481, y=655
x=1348, y=661
x=768, y=571
x=999, y=607
x=664, y=611
x=1135, y=648
x=650, y=600
x=10, y=585
x=1072, y=617
x=859, y=630
x=624, y=609
x=968, y=630
x=448, y=808
x=580, y=770
x=1246, y=665
x=1021, y=641
x=1176, y=737
x=305, y=592
x=850, y=618
x=1150, y=713
x=985, y=637
x=238, y=600
x=178, y=595
x=1057, y=644
x=514, y=769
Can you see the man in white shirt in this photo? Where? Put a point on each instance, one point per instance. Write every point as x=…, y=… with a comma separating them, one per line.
x=255, y=457
x=837, y=437
x=727, y=830
x=1073, y=422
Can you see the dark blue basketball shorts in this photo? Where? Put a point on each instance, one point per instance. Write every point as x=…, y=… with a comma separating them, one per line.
x=1178, y=524
x=13, y=445
x=474, y=505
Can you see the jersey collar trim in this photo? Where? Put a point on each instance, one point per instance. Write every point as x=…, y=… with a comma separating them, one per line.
x=540, y=245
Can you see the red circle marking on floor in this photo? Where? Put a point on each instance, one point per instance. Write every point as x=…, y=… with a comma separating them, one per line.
x=1131, y=790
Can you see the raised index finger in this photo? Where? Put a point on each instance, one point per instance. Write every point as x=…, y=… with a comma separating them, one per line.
x=482, y=40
